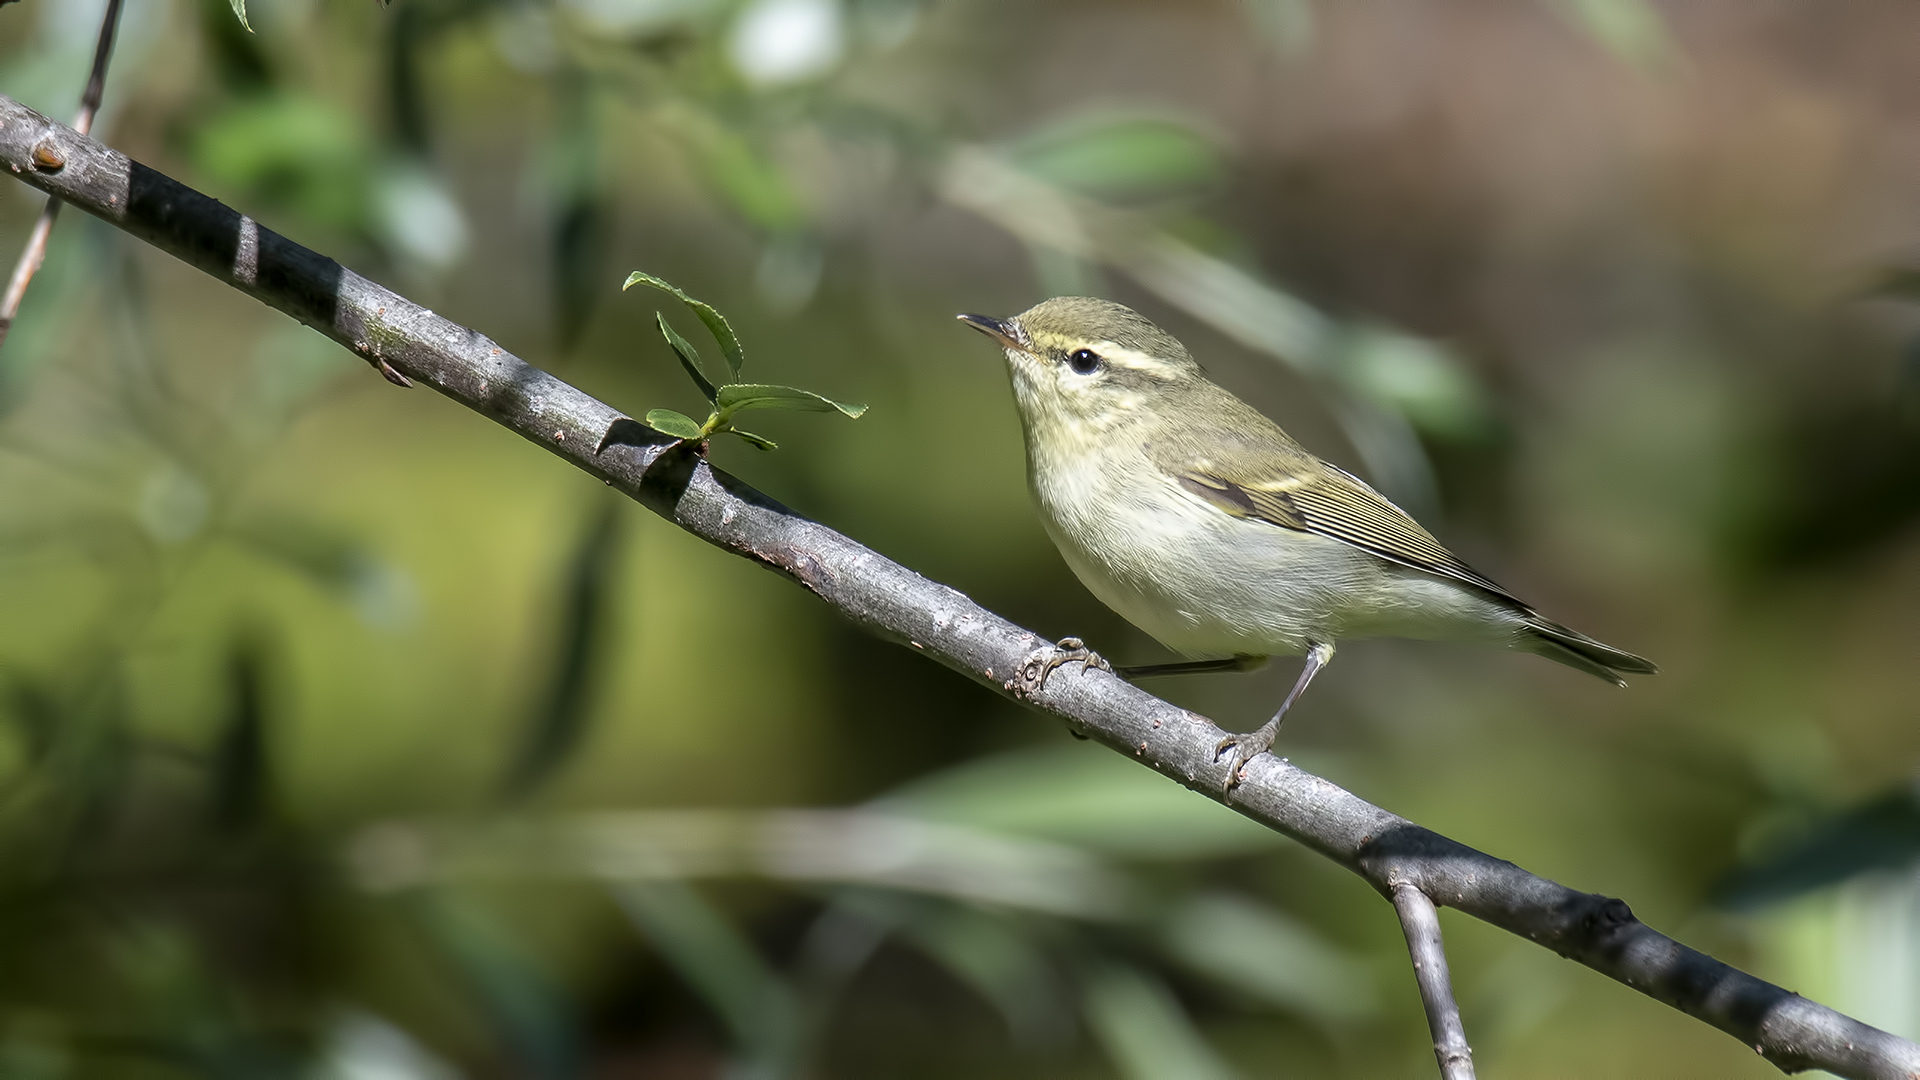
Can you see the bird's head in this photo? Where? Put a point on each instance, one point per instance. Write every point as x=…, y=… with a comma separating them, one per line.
x=1084, y=367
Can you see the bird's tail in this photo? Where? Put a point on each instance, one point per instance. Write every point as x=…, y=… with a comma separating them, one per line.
x=1577, y=650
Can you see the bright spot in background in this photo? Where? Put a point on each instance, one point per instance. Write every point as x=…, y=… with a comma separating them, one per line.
x=524, y=37
x=363, y=1046
x=784, y=41
x=788, y=274
x=419, y=217
x=636, y=17
x=173, y=504
x=383, y=595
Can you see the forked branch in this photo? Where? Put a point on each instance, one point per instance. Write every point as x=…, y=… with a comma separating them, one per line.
x=890, y=600
x=1421, y=923
x=35, y=252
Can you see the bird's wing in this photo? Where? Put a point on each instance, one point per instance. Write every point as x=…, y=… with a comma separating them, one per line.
x=1290, y=488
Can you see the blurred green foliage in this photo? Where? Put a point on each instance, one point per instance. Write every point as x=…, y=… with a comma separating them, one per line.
x=347, y=736
x=1121, y=157
x=294, y=151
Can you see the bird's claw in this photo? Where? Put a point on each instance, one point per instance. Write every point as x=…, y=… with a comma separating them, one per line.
x=1068, y=650
x=1245, y=748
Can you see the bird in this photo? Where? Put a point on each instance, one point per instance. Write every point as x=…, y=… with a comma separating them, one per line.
x=1201, y=522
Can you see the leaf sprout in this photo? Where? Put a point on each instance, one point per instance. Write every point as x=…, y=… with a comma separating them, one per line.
x=732, y=396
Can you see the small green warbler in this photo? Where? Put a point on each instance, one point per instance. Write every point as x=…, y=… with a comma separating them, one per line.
x=1188, y=512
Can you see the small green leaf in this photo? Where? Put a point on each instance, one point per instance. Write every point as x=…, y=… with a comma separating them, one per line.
x=689, y=356
x=679, y=425
x=1144, y=1029
x=756, y=1002
x=1420, y=379
x=240, y=12
x=750, y=181
x=561, y=721
x=515, y=997
x=716, y=323
x=758, y=442
x=739, y=396
x=240, y=774
x=1266, y=954
x=1116, y=156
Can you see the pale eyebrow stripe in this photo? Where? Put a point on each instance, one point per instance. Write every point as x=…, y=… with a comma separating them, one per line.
x=1134, y=360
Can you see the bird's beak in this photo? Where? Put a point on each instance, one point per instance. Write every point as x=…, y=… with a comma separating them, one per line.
x=1001, y=330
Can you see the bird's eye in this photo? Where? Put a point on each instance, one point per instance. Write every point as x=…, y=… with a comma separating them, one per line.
x=1084, y=361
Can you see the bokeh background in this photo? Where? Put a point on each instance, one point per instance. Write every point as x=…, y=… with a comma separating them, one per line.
x=347, y=736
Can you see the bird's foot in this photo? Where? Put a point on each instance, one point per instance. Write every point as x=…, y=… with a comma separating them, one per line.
x=1245, y=748
x=1254, y=743
x=1069, y=650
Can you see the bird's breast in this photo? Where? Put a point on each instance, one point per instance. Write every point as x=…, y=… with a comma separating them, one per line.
x=1198, y=580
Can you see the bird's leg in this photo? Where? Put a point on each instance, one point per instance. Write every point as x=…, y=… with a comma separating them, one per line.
x=1253, y=744
x=1190, y=667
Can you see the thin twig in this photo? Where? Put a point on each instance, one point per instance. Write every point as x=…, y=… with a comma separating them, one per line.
x=1421, y=923
x=384, y=328
x=35, y=252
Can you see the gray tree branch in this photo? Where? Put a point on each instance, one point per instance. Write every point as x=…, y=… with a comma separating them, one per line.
x=35, y=251
x=1421, y=923
x=890, y=600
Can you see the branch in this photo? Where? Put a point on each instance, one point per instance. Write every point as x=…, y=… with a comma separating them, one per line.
x=1421, y=923
x=890, y=600
x=35, y=252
